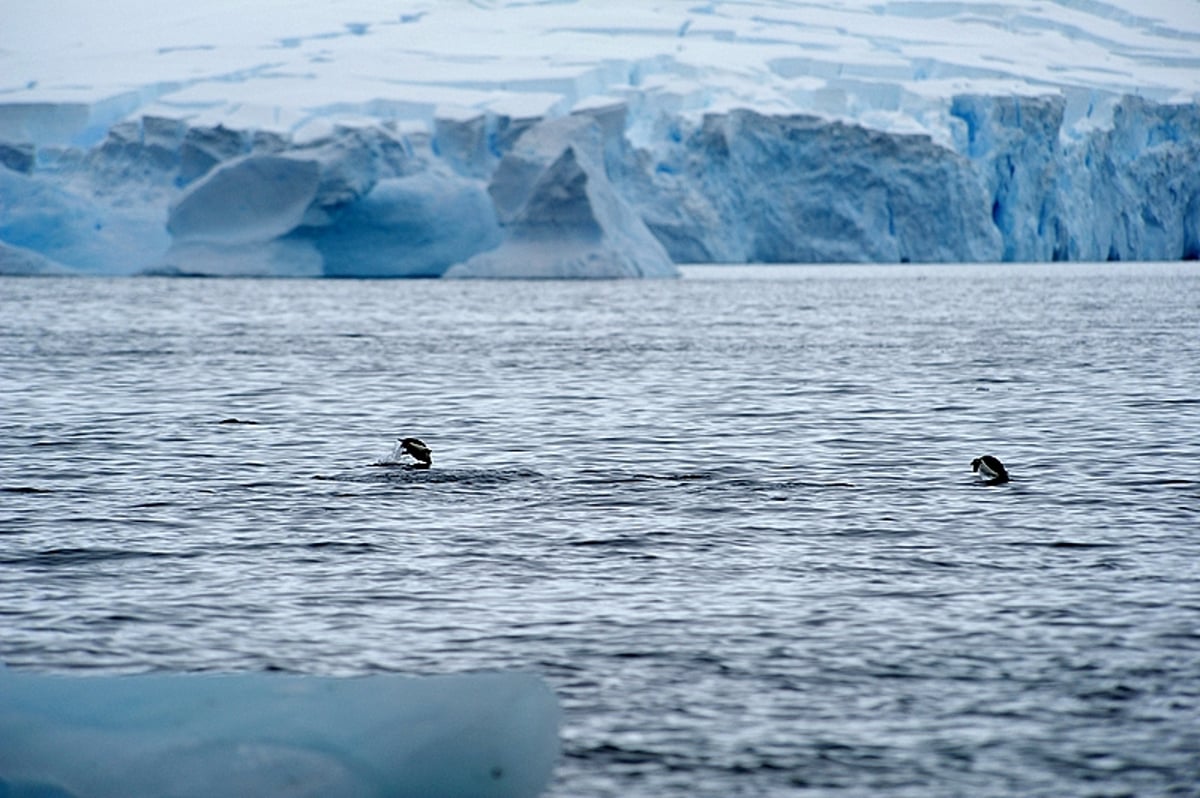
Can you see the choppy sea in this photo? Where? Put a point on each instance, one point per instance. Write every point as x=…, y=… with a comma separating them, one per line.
x=729, y=518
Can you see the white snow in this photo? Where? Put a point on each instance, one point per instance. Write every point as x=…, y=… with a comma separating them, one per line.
x=264, y=734
x=372, y=93
x=316, y=57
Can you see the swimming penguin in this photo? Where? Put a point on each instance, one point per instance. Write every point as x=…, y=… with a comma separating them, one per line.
x=990, y=470
x=416, y=448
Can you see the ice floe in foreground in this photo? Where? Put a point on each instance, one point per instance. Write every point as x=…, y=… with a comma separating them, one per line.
x=268, y=734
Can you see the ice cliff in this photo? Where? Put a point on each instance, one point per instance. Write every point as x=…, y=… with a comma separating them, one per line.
x=561, y=214
x=584, y=139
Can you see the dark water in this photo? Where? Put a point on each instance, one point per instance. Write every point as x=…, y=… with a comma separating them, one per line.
x=729, y=518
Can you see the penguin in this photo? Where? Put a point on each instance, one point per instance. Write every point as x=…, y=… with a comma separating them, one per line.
x=416, y=449
x=990, y=470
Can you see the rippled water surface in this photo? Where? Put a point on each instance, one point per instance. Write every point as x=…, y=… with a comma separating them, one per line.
x=729, y=518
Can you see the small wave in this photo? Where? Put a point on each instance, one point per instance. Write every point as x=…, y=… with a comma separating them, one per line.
x=1169, y=482
x=722, y=479
x=406, y=474
x=342, y=546
x=390, y=463
x=612, y=753
x=1163, y=403
x=593, y=477
x=81, y=556
x=1064, y=544
x=469, y=477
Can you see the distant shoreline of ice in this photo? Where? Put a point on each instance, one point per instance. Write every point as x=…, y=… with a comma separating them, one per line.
x=569, y=140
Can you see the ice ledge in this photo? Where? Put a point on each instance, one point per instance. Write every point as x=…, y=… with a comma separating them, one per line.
x=495, y=196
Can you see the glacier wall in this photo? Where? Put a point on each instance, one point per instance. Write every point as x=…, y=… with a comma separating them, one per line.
x=491, y=195
x=593, y=137
x=1128, y=192
x=744, y=187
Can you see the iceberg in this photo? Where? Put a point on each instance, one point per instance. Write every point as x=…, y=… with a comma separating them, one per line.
x=562, y=217
x=593, y=139
x=263, y=734
x=416, y=226
x=354, y=202
x=78, y=230
x=248, y=199
x=234, y=218
x=21, y=261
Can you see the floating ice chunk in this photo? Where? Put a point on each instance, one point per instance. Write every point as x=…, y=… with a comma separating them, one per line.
x=416, y=226
x=249, y=199
x=558, y=260
x=282, y=257
x=562, y=217
x=77, y=229
x=333, y=207
x=274, y=735
x=18, y=260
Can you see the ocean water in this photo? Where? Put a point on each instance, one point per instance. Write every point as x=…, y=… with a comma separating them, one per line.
x=729, y=518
